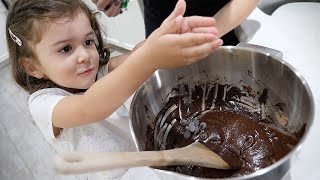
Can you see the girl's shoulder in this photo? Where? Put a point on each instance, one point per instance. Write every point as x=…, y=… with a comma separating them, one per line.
x=48, y=93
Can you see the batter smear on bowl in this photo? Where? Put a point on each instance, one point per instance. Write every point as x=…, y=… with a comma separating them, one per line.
x=236, y=123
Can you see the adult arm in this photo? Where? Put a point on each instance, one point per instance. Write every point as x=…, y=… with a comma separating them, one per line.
x=232, y=14
x=118, y=60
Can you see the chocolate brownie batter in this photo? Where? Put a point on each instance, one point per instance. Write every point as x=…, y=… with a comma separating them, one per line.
x=216, y=116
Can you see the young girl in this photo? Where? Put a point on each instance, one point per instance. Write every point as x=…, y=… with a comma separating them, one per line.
x=56, y=50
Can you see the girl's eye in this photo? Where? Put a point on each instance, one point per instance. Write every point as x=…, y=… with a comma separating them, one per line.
x=65, y=49
x=89, y=42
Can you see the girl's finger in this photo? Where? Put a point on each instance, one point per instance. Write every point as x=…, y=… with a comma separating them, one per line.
x=206, y=48
x=179, y=9
x=210, y=30
x=173, y=23
x=196, y=58
x=194, y=39
x=171, y=27
x=199, y=21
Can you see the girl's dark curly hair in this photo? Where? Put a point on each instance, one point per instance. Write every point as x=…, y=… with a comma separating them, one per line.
x=28, y=20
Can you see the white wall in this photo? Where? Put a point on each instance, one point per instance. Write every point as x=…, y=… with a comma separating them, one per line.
x=125, y=30
x=3, y=43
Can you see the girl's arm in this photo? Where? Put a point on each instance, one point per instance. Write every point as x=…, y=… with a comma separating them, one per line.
x=232, y=14
x=164, y=48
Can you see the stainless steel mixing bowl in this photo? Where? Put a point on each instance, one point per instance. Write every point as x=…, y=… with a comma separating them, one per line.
x=254, y=67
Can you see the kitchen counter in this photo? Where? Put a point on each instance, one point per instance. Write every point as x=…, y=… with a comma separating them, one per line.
x=293, y=29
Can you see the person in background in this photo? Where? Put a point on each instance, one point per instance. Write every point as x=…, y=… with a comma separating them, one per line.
x=76, y=93
x=227, y=13
x=110, y=7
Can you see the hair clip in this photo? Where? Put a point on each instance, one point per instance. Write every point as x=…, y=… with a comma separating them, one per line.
x=15, y=38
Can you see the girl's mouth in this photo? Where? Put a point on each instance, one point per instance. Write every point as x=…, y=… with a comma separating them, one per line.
x=86, y=72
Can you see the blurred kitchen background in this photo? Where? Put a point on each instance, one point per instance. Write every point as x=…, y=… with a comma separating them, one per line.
x=24, y=153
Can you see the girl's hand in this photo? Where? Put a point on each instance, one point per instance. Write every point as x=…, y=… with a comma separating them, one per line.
x=110, y=7
x=167, y=48
x=197, y=24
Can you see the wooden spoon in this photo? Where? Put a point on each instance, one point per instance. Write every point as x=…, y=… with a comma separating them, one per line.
x=193, y=154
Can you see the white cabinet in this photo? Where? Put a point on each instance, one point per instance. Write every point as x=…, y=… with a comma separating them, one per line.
x=125, y=30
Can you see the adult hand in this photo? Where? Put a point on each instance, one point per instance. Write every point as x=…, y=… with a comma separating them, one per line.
x=110, y=7
x=166, y=47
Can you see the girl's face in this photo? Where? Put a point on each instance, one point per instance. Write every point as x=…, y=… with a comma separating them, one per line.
x=67, y=54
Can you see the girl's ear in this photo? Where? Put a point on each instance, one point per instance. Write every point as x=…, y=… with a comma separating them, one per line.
x=32, y=68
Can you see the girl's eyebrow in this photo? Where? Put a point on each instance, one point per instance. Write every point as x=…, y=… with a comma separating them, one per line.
x=89, y=33
x=66, y=40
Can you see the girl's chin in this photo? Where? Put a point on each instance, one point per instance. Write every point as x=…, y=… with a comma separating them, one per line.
x=87, y=86
x=83, y=86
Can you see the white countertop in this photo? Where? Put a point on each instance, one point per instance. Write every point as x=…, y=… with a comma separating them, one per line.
x=293, y=29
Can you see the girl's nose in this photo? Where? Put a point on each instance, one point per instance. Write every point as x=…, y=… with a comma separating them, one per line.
x=83, y=55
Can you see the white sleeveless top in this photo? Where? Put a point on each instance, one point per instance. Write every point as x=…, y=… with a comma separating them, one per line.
x=111, y=134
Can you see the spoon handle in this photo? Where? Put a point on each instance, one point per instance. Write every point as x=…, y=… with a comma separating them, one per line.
x=194, y=154
x=80, y=162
